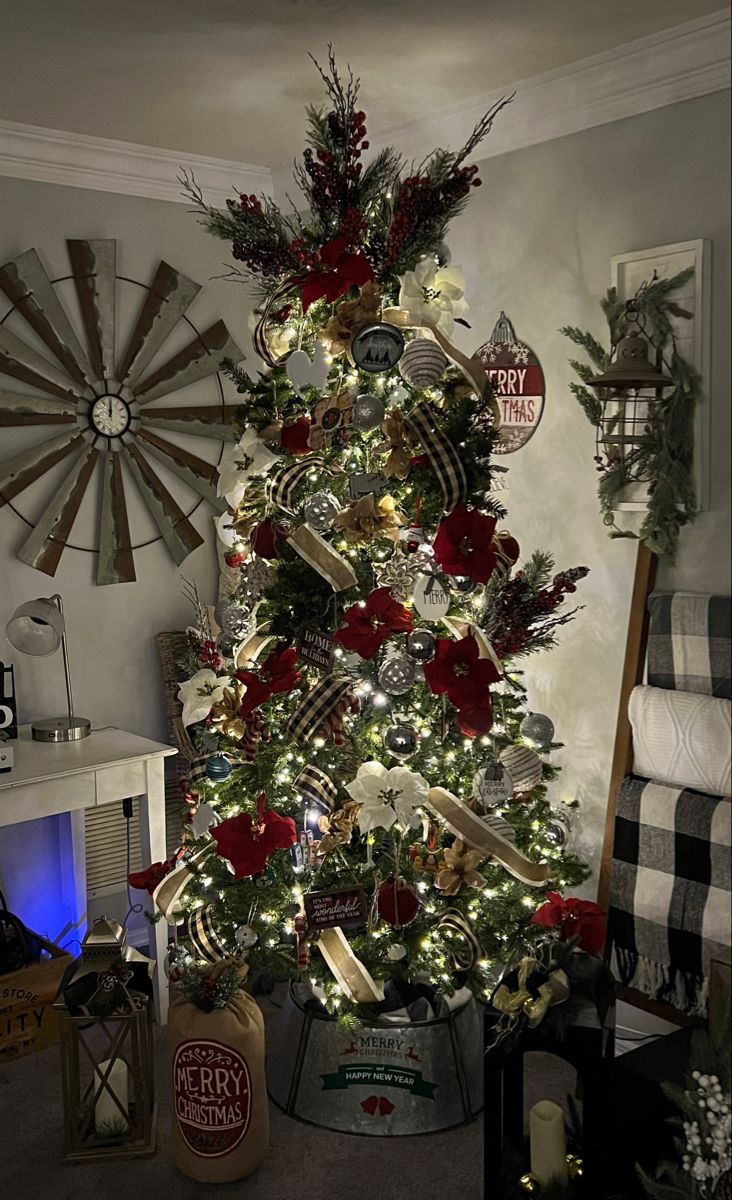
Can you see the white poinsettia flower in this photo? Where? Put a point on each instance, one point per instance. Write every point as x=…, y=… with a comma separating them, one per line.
x=387, y=796
x=433, y=294
x=249, y=457
x=199, y=694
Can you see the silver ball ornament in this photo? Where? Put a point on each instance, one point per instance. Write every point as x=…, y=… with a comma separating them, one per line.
x=368, y=412
x=402, y=741
x=320, y=511
x=422, y=363
x=537, y=729
x=421, y=645
x=558, y=828
x=398, y=674
x=462, y=584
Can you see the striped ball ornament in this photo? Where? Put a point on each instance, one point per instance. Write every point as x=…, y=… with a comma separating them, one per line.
x=523, y=765
x=422, y=363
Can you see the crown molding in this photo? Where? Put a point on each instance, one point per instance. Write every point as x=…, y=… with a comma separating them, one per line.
x=673, y=65
x=125, y=168
x=668, y=67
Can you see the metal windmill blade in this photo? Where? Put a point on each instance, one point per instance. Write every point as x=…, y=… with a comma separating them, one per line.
x=98, y=398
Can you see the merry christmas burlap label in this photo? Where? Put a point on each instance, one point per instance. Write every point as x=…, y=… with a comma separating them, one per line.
x=213, y=1096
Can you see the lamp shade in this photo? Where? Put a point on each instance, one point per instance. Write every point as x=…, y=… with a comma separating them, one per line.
x=36, y=627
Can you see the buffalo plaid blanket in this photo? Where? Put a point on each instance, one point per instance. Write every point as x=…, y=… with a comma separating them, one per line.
x=670, y=883
x=670, y=890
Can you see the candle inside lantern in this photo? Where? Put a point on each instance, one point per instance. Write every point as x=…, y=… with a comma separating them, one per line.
x=107, y=1116
x=548, y=1143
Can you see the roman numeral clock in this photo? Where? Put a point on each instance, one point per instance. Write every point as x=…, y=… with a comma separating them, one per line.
x=101, y=410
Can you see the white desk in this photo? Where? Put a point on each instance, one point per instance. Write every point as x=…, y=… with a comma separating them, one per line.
x=49, y=779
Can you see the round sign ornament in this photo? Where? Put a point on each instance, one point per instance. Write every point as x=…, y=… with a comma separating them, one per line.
x=377, y=347
x=213, y=1096
x=516, y=373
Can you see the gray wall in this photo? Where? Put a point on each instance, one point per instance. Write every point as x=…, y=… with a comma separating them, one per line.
x=536, y=241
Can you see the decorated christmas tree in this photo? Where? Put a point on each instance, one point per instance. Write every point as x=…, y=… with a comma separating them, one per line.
x=369, y=805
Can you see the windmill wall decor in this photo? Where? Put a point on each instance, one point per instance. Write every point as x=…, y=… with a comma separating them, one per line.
x=102, y=396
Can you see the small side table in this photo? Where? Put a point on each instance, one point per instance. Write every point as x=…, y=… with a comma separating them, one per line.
x=110, y=765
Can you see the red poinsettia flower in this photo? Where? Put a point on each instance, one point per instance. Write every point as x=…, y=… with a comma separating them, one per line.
x=475, y=721
x=149, y=879
x=279, y=669
x=295, y=438
x=258, y=692
x=369, y=625
x=458, y=670
x=337, y=271
x=466, y=543
x=573, y=918
x=247, y=842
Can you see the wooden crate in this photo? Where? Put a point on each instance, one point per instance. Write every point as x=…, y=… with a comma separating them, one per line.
x=27, y=1019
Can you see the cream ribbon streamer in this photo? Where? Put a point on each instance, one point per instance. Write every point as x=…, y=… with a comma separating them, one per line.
x=469, y=827
x=471, y=369
x=321, y=556
x=348, y=970
x=171, y=888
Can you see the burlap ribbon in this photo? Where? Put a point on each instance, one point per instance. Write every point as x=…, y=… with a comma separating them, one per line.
x=347, y=969
x=252, y=647
x=348, y=317
x=471, y=368
x=320, y=555
x=171, y=888
x=337, y=828
x=469, y=827
x=513, y=1003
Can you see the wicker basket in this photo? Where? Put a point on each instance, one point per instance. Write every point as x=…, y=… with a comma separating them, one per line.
x=171, y=648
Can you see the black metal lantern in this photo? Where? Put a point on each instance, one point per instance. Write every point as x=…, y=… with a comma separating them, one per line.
x=626, y=386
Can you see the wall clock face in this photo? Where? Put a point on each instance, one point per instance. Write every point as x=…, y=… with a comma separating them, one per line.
x=121, y=409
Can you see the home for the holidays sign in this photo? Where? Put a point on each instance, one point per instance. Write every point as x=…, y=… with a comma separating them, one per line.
x=516, y=373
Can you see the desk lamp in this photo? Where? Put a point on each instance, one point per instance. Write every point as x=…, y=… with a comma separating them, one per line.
x=38, y=628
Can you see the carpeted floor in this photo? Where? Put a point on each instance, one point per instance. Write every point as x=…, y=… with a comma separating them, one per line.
x=302, y=1159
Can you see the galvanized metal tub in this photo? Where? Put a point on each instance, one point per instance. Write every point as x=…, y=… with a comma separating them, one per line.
x=385, y=1080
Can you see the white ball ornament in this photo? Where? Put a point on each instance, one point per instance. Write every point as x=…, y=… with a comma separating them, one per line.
x=398, y=674
x=422, y=363
x=523, y=765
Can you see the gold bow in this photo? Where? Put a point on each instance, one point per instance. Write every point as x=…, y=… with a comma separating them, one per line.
x=535, y=1008
x=225, y=713
x=337, y=829
x=369, y=518
x=395, y=427
x=348, y=317
x=460, y=868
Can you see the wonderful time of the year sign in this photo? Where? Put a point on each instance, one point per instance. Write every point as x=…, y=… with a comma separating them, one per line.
x=516, y=372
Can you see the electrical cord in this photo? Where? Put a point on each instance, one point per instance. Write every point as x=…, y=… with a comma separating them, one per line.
x=128, y=813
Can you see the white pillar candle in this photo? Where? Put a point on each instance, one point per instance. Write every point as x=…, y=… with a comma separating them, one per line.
x=548, y=1143
x=107, y=1116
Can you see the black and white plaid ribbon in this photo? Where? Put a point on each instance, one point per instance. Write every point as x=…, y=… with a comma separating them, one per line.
x=197, y=771
x=467, y=956
x=203, y=936
x=443, y=456
x=283, y=483
x=317, y=787
x=259, y=337
x=316, y=706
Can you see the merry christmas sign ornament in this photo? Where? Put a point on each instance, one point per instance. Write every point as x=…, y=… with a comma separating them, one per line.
x=518, y=377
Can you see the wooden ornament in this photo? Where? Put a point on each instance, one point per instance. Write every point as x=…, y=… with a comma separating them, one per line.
x=422, y=363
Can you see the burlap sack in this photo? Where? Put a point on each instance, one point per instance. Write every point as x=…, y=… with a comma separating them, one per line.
x=220, y=1114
